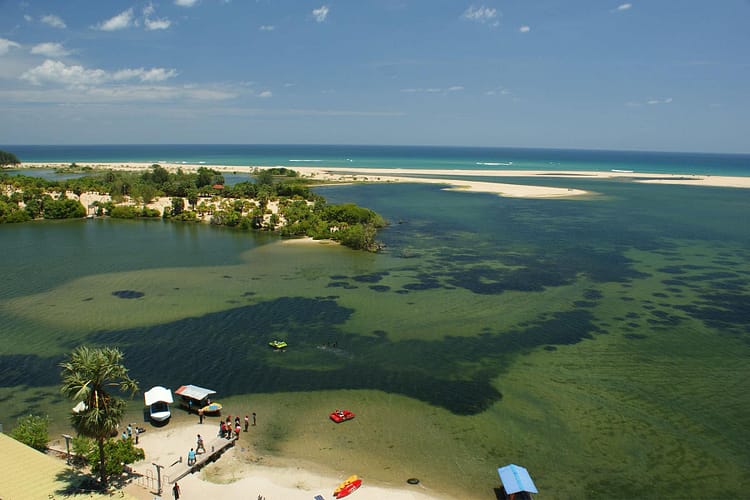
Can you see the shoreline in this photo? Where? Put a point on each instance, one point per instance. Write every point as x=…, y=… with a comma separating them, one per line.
x=386, y=175
x=241, y=472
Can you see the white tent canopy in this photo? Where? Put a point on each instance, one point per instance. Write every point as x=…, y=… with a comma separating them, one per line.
x=158, y=394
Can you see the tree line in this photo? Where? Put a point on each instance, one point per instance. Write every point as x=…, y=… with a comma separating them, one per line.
x=243, y=205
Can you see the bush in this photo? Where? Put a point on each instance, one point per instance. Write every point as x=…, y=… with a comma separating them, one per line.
x=32, y=431
x=117, y=452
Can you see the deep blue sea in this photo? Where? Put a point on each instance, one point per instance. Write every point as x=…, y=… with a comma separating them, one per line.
x=412, y=157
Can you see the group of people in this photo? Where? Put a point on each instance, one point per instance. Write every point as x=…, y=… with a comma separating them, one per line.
x=227, y=430
x=129, y=432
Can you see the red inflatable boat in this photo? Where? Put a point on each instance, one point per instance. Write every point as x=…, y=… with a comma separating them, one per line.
x=339, y=416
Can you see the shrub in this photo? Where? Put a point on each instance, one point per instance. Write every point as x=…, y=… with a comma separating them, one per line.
x=32, y=431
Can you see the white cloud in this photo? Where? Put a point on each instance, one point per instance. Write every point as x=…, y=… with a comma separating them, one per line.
x=50, y=49
x=28, y=18
x=57, y=72
x=320, y=13
x=265, y=94
x=157, y=24
x=481, y=15
x=650, y=102
x=121, y=21
x=54, y=21
x=432, y=90
x=267, y=27
x=6, y=45
x=499, y=90
x=624, y=6
x=659, y=101
x=185, y=3
x=524, y=29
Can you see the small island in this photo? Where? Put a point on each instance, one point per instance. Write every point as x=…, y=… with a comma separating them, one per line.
x=277, y=199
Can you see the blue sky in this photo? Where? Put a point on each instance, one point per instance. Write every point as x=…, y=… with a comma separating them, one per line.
x=599, y=74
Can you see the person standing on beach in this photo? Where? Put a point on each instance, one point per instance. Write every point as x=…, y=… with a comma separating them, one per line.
x=176, y=491
x=191, y=457
x=200, y=416
x=253, y=418
x=247, y=422
x=199, y=448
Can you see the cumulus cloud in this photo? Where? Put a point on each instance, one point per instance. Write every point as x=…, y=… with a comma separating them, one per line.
x=121, y=21
x=267, y=27
x=265, y=94
x=185, y=3
x=77, y=76
x=524, y=29
x=54, y=21
x=50, y=49
x=624, y=6
x=481, y=15
x=320, y=14
x=6, y=45
x=152, y=24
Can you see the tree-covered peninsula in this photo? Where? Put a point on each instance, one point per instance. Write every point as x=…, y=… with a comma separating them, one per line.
x=276, y=199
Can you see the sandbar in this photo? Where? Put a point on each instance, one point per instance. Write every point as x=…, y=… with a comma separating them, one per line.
x=453, y=178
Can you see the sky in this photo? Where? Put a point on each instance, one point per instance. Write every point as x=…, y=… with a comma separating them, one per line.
x=662, y=75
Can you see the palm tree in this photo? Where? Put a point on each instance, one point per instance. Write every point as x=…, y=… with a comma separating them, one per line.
x=88, y=376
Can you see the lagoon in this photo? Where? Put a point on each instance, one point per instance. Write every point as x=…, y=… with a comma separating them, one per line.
x=602, y=343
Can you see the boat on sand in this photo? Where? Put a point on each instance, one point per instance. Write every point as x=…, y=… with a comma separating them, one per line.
x=158, y=399
x=348, y=487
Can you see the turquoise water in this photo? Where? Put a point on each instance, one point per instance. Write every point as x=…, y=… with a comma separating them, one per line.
x=602, y=343
x=413, y=157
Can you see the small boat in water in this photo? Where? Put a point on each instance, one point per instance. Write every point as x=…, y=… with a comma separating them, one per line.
x=339, y=416
x=158, y=399
x=278, y=344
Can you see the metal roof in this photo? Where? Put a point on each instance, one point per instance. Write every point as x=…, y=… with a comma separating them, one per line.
x=194, y=392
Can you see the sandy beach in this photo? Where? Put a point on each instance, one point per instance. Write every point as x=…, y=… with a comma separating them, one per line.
x=449, y=177
x=242, y=474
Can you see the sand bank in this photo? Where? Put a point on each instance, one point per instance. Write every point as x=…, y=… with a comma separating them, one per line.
x=340, y=174
x=241, y=473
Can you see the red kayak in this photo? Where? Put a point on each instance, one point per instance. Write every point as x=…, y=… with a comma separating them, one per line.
x=348, y=489
x=339, y=416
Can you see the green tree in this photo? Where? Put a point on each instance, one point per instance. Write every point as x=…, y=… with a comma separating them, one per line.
x=116, y=453
x=7, y=158
x=88, y=375
x=32, y=431
x=178, y=205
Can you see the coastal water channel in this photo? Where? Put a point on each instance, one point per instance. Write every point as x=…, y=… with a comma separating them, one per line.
x=603, y=343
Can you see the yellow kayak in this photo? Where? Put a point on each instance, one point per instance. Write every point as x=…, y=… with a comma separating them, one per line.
x=212, y=408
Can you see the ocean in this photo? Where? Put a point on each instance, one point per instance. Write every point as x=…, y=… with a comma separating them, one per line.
x=412, y=157
x=602, y=343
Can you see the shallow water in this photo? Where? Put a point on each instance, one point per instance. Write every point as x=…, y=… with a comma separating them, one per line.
x=601, y=343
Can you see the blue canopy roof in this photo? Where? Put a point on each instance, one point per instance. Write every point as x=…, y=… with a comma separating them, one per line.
x=516, y=478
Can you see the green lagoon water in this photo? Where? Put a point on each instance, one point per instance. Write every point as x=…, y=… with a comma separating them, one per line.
x=603, y=343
